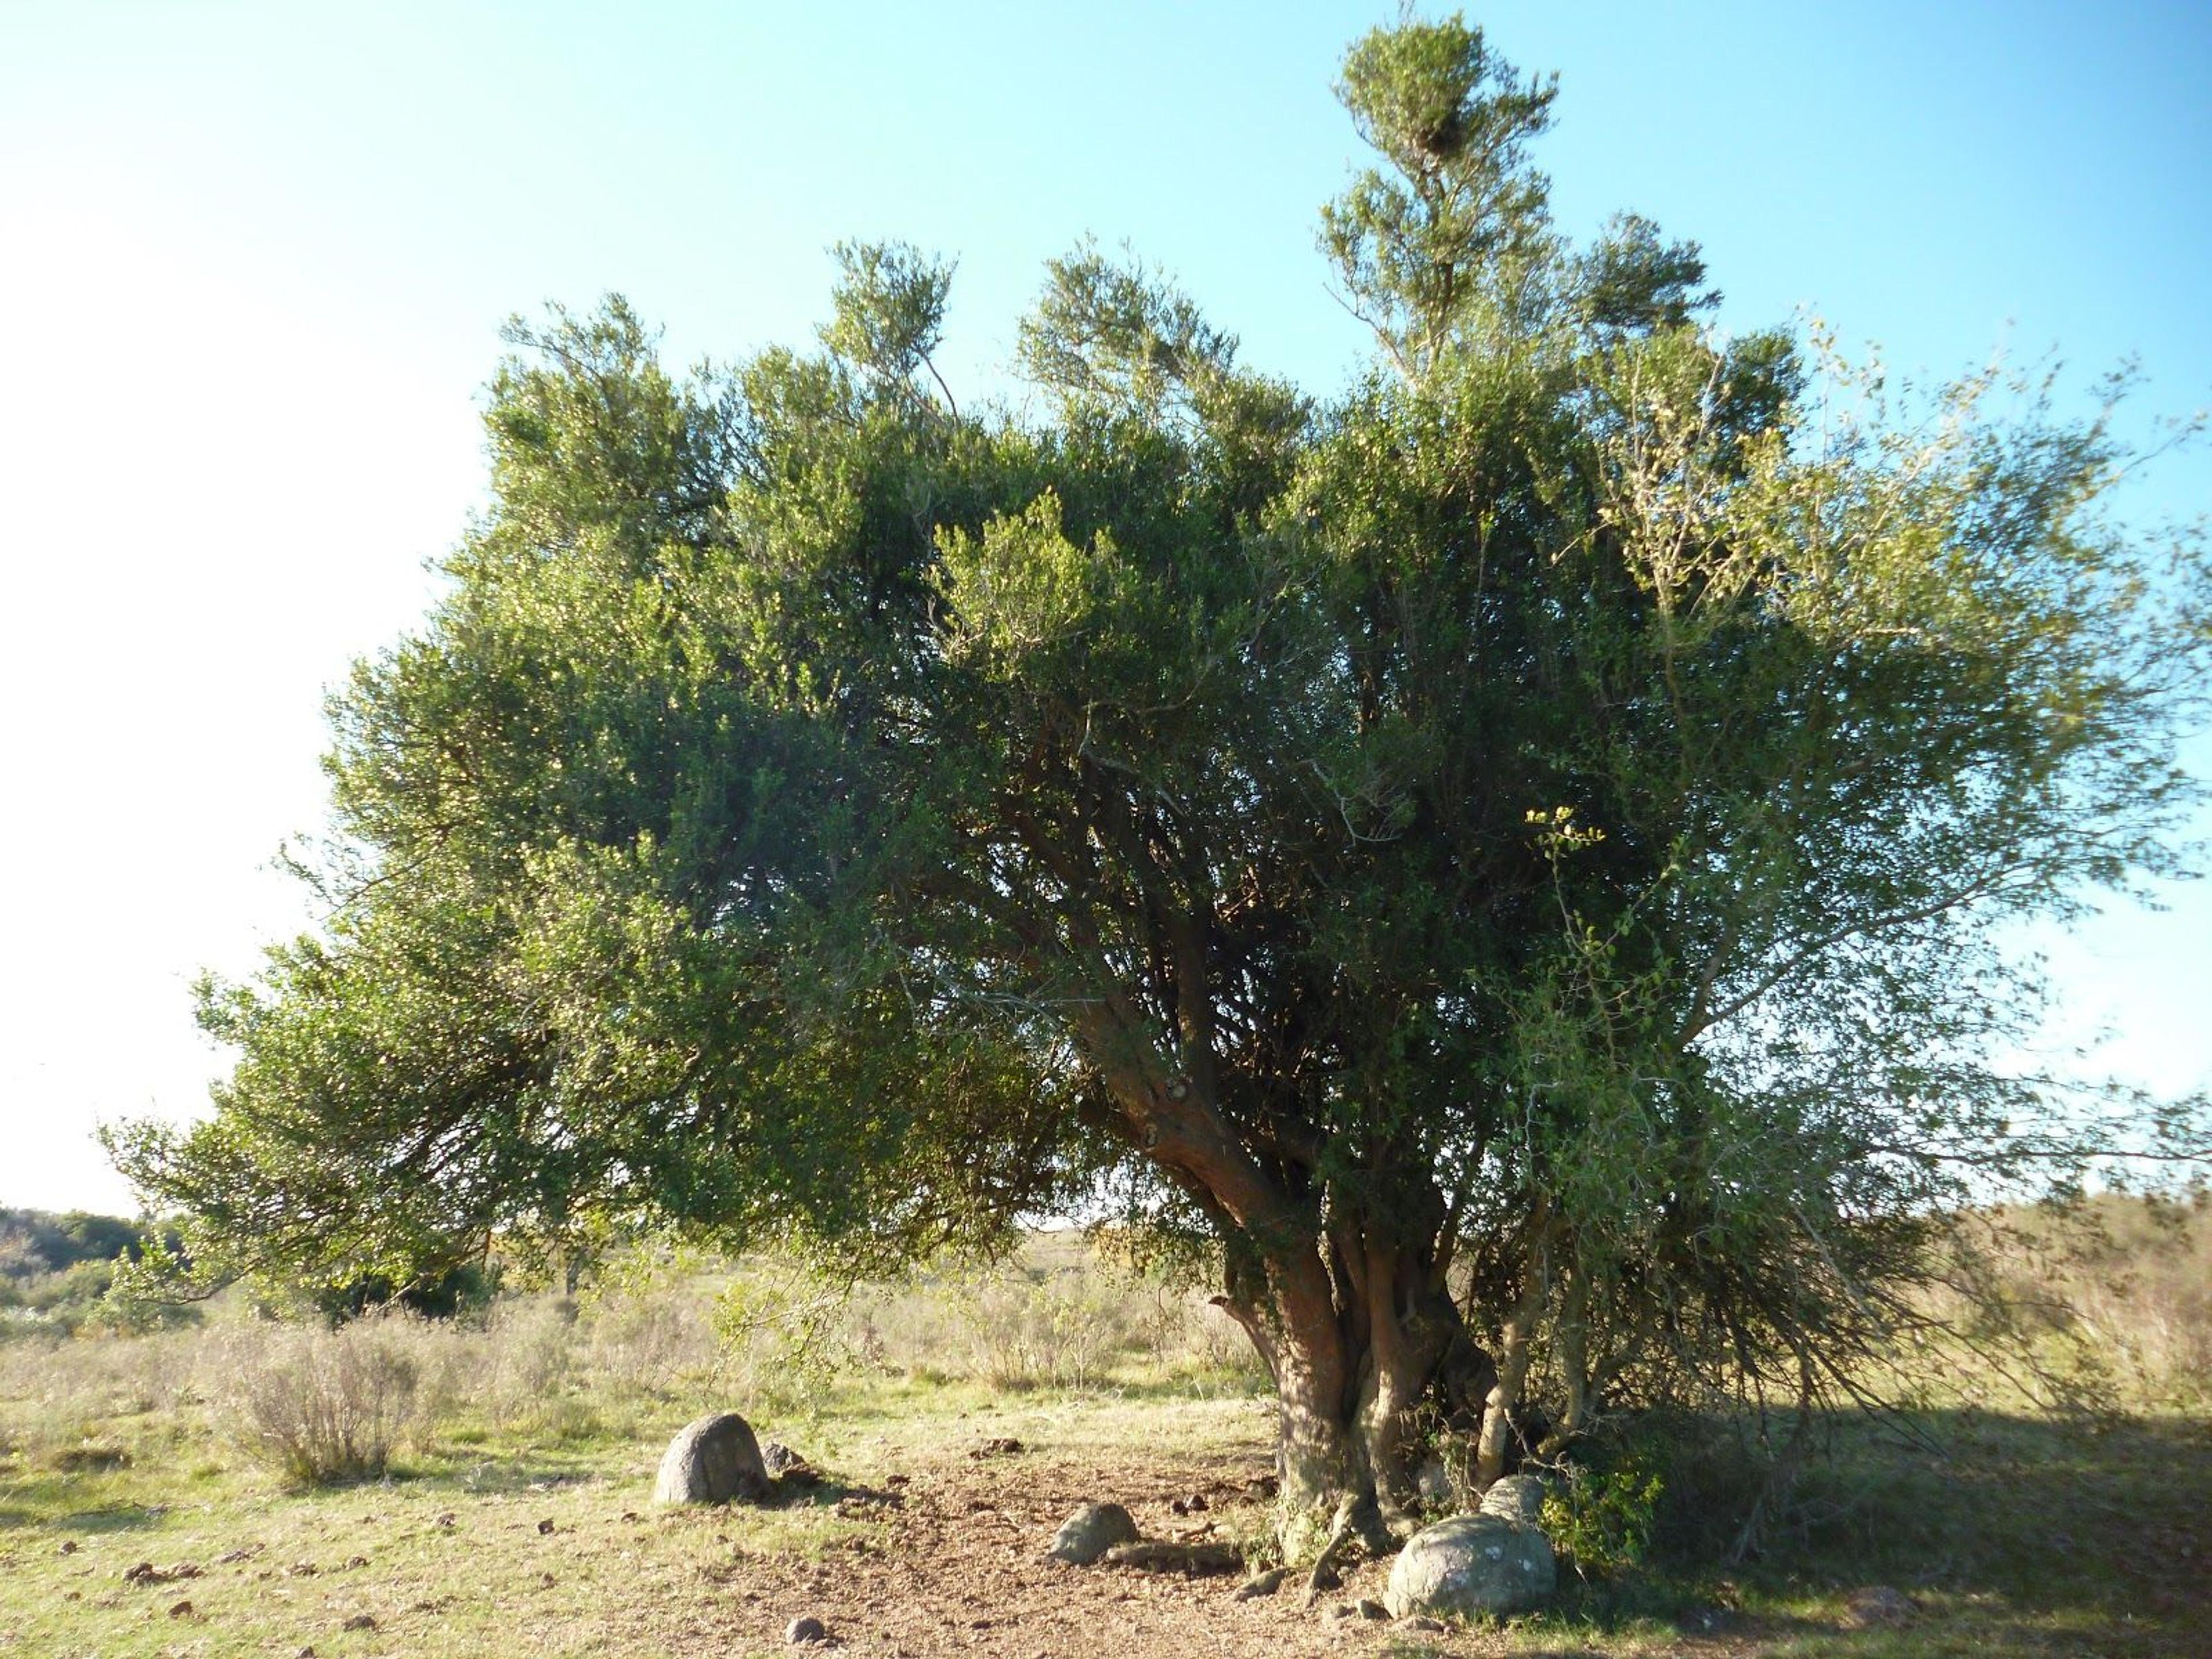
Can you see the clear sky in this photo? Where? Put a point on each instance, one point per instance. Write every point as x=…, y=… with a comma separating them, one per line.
x=253, y=258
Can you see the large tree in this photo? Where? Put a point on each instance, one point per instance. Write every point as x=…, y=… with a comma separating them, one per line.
x=1507, y=865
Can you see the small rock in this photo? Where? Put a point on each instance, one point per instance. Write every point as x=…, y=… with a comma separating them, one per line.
x=1878, y=1605
x=1516, y=1498
x=804, y=1633
x=712, y=1460
x=181, y=1610
x=359, y=1621
x=777, y=1458
x=1370, y=1608
x=1087, y=1534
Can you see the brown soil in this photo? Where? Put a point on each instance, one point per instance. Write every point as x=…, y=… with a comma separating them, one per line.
x=959, y=1567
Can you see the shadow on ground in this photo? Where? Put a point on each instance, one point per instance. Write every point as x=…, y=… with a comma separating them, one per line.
x=2011, y=1535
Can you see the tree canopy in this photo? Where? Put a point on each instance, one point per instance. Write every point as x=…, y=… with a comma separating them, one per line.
x=1505, y=863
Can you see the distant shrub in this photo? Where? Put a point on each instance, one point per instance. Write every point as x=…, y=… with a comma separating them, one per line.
x=322, y=1405
x=468, y=1289
x=648, y=1340
x=529, y=1351
x=1055, y=1315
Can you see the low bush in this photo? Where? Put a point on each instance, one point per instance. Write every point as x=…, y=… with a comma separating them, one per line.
x=323, y=1405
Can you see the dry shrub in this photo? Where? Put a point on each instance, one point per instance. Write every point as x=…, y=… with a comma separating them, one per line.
x=323, y=1405
x=1061, y=1329
x=528, y=1353
x=645, y=1342
x=2137, y=1287
x=59, y=1391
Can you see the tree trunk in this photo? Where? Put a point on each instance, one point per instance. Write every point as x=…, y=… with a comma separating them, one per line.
x=1355, y=1355
x=1348, y=1310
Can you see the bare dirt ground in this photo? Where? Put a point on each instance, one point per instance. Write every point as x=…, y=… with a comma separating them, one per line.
x=961, y=1569
x=953, y=1562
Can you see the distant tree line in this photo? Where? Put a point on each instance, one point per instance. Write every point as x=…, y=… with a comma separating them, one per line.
x=60, y=1266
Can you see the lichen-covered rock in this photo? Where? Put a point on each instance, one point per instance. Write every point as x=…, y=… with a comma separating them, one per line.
x=1515, y=1497
x=713, y=1461
x=1472, y=1564
x=1087, y=1534
x=1433, y=1482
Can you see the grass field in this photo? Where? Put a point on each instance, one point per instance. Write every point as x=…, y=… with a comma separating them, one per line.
x=145, y=1508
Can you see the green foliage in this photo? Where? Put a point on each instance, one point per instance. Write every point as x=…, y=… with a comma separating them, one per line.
x=1537, y=823
x=783, y=1330
x=76, y=1269
x=33, y=1242
x=466, y=1289
x=1604, y=1518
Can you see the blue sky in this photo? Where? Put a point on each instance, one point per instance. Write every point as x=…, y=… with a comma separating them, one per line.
x=254, y=257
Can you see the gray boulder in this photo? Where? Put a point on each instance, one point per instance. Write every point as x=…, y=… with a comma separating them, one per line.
x=1087, y=1534
x=713, y=1461
x=1515, y=1497
x=1472, y=1564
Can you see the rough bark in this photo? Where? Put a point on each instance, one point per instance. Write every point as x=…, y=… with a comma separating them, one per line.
x=1355, y=1356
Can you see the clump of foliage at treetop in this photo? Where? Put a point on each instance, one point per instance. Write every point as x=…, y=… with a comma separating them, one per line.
x=1503, y=865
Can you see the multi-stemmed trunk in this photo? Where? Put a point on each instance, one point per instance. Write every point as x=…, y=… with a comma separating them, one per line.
x=1361, y=1341
x=1350, y=1311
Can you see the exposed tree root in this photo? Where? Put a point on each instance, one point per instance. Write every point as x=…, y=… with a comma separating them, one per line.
x=1196, y=1559
x=1358, y=1520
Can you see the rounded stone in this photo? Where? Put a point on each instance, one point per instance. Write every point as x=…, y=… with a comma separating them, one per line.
x=713, y=1461
x=1472, y=1564
x=1515, y=1497
x=1092, y=1530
